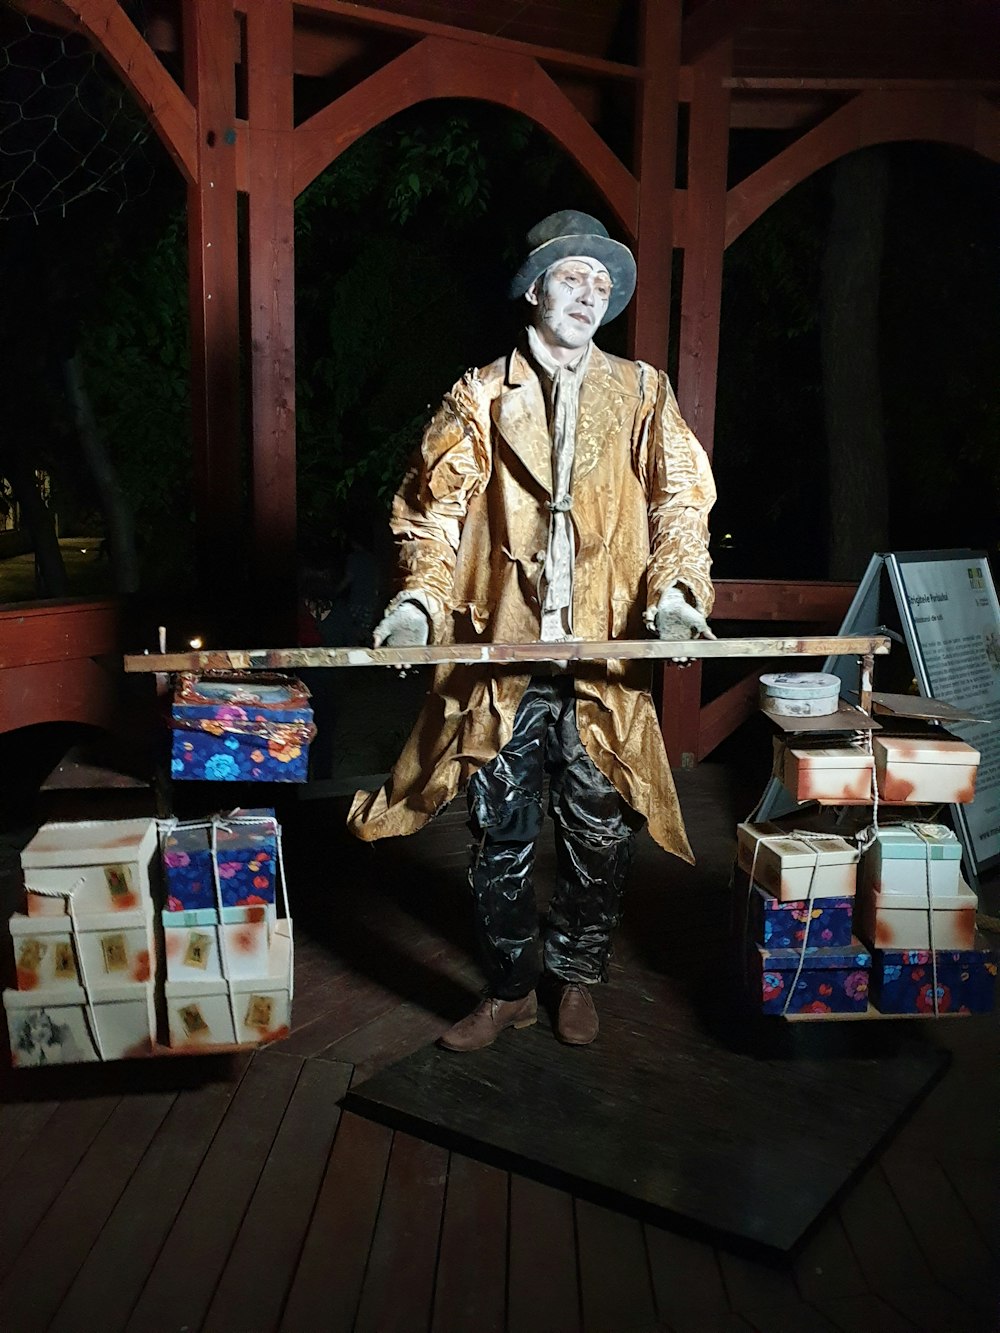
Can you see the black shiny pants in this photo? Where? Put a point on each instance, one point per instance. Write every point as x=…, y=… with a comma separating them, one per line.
x=594, y=830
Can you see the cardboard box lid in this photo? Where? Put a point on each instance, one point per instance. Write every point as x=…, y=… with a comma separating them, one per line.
x=853, y=955
x=982, y=955
x=237, y=828
x=923, y=750
x=796, y=851
x=832, y=756
x=137, y=918
x=772, y=904
x=248, y=913
x=962, y=899
x=91, y=842
x=22, y=924
x=56, y=996
x=896, y=842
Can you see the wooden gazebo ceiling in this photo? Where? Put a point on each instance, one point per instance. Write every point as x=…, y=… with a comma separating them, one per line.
x=788, y=55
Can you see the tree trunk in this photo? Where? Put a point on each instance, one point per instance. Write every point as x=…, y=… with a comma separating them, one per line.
x=50, y=572
x=852, y=391
x=117, y=516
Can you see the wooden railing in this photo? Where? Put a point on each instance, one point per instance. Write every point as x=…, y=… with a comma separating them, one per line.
x=50, y=662
x=692, y=729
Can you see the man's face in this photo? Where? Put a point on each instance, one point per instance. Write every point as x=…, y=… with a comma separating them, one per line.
x=571, y=299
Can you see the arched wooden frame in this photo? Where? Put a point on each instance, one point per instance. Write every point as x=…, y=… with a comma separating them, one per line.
x=270, y=159
x=713, y=219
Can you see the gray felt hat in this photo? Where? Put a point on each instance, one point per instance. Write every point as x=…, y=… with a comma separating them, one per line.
x=571, y=233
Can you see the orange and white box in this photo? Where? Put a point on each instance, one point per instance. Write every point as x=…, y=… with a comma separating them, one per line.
x=44, y=954
x=924, y=770
x=901, y=920
x=246, y=1011
x=199, y=949
x=787, y=864
x=831, y=775
x=49, y=1026
x=103, y=864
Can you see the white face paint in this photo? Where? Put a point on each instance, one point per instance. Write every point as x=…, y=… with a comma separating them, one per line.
x=571, y=299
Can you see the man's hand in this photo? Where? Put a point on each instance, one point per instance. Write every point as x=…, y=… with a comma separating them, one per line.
x=406, y=626
x=674, y=617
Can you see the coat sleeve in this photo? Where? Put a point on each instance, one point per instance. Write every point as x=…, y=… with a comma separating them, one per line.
x=452, y=467
x=681, y=492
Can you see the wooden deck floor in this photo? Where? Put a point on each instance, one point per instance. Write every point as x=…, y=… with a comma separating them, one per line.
x=235, y=1195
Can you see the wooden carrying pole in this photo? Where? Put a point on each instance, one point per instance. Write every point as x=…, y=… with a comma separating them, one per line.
x=502, y=654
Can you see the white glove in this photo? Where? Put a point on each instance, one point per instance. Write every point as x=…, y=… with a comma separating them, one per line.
x=407, y=625
x=674, y=617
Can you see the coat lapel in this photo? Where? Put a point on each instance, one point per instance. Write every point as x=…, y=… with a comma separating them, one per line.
x=519, y=415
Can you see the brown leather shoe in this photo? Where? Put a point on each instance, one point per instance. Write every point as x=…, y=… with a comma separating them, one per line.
x=482, y=1027
x=576, y=1022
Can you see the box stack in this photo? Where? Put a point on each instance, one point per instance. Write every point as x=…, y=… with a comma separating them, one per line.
x=228, y=954
x=919, y=917
x=800, y=887
x=241, y=729
x=85, y=950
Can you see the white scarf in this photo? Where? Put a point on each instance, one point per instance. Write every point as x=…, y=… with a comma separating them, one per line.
x=557, y=572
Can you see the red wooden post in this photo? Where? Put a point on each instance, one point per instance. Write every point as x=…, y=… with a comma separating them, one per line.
x=656, y=161
x=701, y=302
x=701, y=293
x=209, y=77
x=271, y=229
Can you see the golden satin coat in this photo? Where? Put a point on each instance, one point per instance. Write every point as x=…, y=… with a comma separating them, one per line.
x=472, y=523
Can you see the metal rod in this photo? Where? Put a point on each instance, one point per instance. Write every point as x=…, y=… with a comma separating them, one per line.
x=502, y=654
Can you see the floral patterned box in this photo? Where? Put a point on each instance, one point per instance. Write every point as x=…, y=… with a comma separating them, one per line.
x=241, y=729
x=247, y=846
x=903, y=981
x=778, y=925
x=832, y=981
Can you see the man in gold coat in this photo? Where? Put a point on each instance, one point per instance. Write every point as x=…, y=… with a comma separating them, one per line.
x=558, y=495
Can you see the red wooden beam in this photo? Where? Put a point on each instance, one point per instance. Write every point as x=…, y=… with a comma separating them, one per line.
x=781, y=599
x=437, y=68
x=965, y=120
x=109, y=28
x=35, y=632
x=705, y=222
x=271, y=229
x=724, y=714
x=656, y=157
x=681, y=702
x=76, y=690
x=713, y=22
x=410, y=24
x=213, y=269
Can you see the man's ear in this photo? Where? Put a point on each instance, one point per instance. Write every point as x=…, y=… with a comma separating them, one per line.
x=531, y=295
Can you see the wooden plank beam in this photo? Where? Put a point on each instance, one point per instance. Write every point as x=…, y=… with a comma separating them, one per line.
x=505, y=654
x=34, y=632
x=961, y=119
x=656, y=158
x=213, y=277
x=701, y=297
x=409, y=24
x=850, y=84
x=436, y=68
x=109, y=28
x=714, y=22
x=271, y=263
x=726, y=712
x=781, y=599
